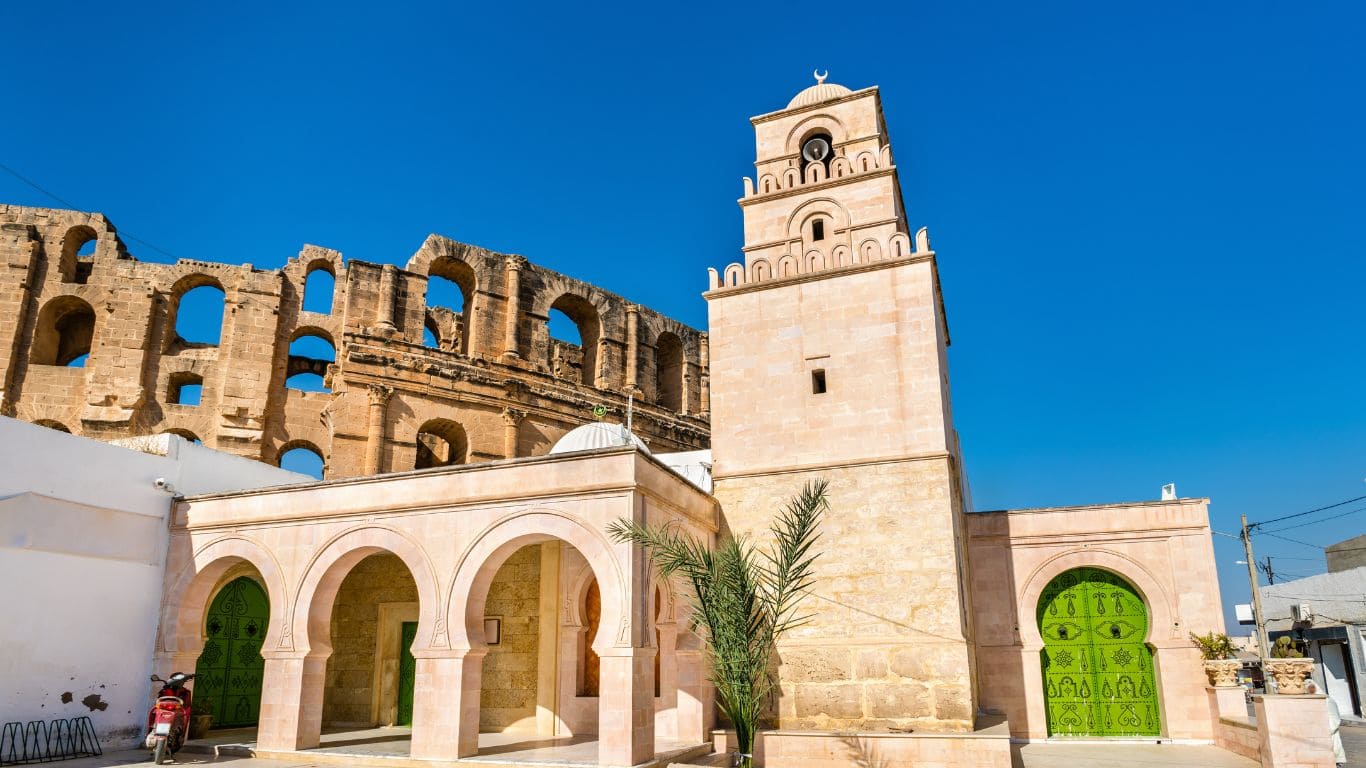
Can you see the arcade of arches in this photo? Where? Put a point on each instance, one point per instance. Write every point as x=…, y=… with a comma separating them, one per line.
x=355, y=603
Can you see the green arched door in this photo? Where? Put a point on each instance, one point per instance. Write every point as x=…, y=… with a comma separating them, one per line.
x=228, y=676
x=1097, y=671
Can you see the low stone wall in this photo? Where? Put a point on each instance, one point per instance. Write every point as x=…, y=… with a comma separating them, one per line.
x=983, y=748
x=1239, y=736
x=1234, y=730
x=1287, y=732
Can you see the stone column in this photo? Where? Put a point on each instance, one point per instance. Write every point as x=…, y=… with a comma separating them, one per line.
x=512, y=420
x=167, y=663
x=632, y=344
x=374, y=433
x=685, y=401
x=704, y=372
x=513, y=272
x=388, y=296
x=291, y=700
x=547, y=650
x=695, y=696
x=626, y=706
x=446, y=703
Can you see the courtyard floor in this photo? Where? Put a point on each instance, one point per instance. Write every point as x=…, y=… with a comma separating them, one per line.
x=1036, y=755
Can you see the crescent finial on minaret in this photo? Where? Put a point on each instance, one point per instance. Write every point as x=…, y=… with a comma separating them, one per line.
x=820, y=77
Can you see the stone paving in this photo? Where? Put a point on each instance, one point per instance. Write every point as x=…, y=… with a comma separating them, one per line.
x=1036, y=755
x=1354, y=741
x=1100, y=755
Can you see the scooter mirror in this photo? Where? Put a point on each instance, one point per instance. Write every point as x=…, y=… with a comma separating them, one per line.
x=156, y=679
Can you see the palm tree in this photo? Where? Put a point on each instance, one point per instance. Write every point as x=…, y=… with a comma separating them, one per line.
x=744, y=597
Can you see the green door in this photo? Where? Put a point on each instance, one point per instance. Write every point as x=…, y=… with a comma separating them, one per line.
x=227, y=682
x=1097, y=672
x=407, y=669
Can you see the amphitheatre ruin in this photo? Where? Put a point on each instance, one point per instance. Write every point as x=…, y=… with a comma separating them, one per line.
x=91, y=343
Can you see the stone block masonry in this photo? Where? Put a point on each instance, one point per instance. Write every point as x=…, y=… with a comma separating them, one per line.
x=492, y=385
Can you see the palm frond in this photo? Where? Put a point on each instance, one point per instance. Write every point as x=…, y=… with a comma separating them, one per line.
x=743, y=600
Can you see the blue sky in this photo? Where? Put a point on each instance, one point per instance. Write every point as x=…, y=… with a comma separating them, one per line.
x=1148, y=218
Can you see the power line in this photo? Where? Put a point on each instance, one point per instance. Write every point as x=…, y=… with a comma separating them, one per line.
x=1320, y=520
x=1302, y=514
x=75, y=207
x=1293, y=541
x=1288, y=557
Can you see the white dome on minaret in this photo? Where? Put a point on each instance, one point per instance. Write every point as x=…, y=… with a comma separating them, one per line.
x=599, y=434
x=821, y=91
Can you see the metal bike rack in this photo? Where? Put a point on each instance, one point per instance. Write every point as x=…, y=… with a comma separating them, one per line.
x=42, y=741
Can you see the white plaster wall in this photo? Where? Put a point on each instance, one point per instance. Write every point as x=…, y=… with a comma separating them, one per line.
x=83, y=537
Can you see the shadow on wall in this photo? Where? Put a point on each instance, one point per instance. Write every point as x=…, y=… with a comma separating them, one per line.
x=862, y=752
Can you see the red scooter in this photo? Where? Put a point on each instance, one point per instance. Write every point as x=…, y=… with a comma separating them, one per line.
x=169, y=720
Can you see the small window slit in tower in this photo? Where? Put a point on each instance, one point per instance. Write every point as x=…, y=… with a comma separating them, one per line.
x=818, y=229
x=818, y=381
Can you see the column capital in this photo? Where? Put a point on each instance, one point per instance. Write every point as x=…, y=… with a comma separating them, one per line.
x=379, y=394
x=513, y=416
x=514, y=262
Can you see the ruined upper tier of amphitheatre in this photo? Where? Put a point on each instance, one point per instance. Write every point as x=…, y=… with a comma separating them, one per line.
x=494, y=386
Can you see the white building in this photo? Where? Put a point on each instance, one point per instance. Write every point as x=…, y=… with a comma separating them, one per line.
x=1327, y=613
x=83, y=535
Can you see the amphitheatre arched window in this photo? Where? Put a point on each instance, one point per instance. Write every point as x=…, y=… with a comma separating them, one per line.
x=309, y=356
x=199, y=315
x=440, y=443
x=185, y=389
x=574, y=328
x=78, y=254
x=450, y=303
x=319, y=287
x=304, y=459
x=51, y=424
x=185, y=433
x=669, y=371
x=66, y=329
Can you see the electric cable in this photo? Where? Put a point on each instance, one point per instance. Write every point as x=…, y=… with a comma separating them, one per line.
x=75, y=207
x=1302, y=514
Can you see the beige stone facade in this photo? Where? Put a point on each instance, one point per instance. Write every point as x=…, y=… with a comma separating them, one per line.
x=495, y=385
x=828, y=360
x=825, y=357
x=1162, y=548
x=345, y=560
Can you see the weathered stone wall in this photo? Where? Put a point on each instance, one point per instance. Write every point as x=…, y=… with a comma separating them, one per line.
x=349, y=695
x=494, y=374
x=887, y=644
x=508, y=696
x=828, y=361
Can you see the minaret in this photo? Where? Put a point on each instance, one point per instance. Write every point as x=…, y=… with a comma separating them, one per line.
x=828, y=360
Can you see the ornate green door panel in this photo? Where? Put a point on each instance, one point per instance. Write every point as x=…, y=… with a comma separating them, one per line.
x=227, y=681
x=1097, y=672
x=407, y=673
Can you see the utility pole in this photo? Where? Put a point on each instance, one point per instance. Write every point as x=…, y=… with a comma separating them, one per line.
x=1257, y=614
x=1265, y=567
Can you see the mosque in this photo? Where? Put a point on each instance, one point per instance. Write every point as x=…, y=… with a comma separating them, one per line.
x=463, y=590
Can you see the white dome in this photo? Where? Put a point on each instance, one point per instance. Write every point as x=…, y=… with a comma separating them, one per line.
x=821, y=91
x=591, y=437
